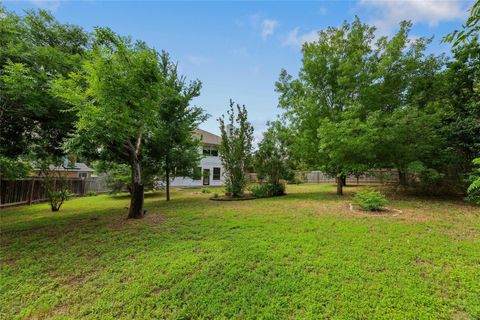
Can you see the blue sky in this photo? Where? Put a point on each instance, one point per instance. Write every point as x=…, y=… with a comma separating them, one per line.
x=237, y=49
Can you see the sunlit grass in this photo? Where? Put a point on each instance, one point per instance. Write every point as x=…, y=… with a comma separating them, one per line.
x=304, y=255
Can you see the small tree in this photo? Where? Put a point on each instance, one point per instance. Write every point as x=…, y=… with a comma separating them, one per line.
x=271, y=159
x=474, y=188
x=55, y=184
x=236, y=148
x=172, y=150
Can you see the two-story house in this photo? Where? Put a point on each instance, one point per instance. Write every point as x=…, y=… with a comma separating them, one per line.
x=210, y=168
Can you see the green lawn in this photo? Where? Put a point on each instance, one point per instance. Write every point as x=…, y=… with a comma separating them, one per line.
x=304, y=255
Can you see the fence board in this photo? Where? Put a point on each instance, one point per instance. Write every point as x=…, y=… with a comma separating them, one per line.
x=30, y=190
x=373, y=176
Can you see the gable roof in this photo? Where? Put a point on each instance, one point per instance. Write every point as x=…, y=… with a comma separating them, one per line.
x=79, y=166
x=207, y=137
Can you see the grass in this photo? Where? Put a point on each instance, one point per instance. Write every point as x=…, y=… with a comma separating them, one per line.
x=304, y=255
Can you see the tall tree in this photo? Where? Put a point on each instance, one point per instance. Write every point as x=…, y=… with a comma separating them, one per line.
x=335, y=73
x=236, y=148
x=116, y=96
x=172, y=149
x=461, y=106
x=352, y=90
x=34, y=49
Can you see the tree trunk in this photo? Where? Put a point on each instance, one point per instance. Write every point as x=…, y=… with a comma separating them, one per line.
x=135, y=210
x=402, y=178
x=344, y=181
x=167, y=183
x=339, y=186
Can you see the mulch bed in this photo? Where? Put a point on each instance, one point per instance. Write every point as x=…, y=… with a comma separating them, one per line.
x=225, y=198
x=385, y=211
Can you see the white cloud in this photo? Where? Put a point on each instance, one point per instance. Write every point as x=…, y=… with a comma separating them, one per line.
x=197, y=60
x=264, y=25
x=51, y=5
x=389, y=13
x=297, y=40
x=268, y=27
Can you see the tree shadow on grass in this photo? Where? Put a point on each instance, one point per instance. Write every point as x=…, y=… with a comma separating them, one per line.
x=124, y=196
x=316, y=196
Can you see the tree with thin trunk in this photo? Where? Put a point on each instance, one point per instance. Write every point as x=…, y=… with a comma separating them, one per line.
x=236, y=148
x=271, y=161
x=172, y=150
x=116, y=96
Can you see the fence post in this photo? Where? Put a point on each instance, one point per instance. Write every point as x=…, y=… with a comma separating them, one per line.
x=30, y=195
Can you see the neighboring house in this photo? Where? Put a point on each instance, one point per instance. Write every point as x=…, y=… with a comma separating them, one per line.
x=210, y=168
x=78, y=170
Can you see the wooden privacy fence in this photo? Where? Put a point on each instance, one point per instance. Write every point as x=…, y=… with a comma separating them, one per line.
x=373, y=176
x=31, y=190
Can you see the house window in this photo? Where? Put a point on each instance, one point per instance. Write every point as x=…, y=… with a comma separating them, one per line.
x=210, y=151
x=216, y=173
x=83, y=174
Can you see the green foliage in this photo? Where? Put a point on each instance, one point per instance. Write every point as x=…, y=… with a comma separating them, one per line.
x=206, y=190
x=264, y=190
x=360, y=103
x=118, y=177
x=14, y=168
x=271, y=160
x=215, y=195
x=35, y=48
x=236, y=148
x=473, y=190
x=57, y=197
x=471, y=27
x=172, y=150
x=424, y=179
x=55, y=184
x=370, y=200
x=116, y=96
x=295, y=180
x=91, y=194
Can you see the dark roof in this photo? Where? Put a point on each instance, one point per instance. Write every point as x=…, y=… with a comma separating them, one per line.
x=79, y=166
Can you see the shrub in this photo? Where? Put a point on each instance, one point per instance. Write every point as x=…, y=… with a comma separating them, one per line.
x=215, y=195
x=206, y=190
x=295, y=180
x=91, y=194
x=370, y=200
x=57, y=198
x=473, y=190
x=267, y=190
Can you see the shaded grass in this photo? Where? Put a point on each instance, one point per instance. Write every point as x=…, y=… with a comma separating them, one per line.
x=304, y=255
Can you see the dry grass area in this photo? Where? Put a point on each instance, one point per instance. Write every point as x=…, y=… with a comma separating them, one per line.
x=304, y=255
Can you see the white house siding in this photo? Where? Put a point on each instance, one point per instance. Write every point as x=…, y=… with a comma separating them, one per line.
x=207, y=162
